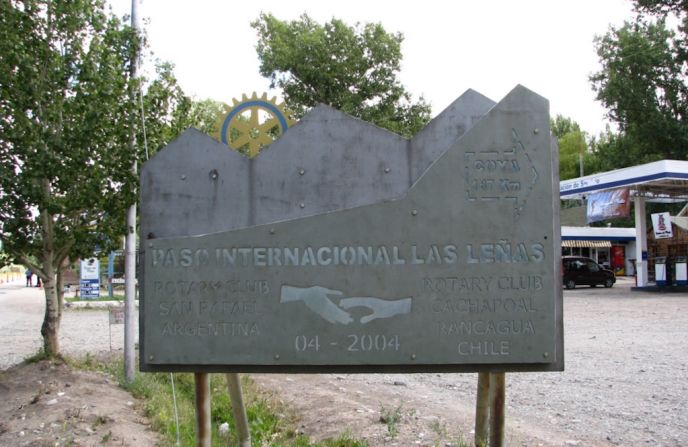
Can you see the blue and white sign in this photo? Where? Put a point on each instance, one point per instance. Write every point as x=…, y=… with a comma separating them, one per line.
x=90, y=278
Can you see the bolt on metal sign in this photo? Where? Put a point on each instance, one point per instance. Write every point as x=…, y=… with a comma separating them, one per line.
x=342, y=247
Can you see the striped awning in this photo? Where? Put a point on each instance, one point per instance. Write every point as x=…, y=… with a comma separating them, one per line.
x=590, y=244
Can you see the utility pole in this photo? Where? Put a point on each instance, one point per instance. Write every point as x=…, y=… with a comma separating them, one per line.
x=581, y=174
x=130, y=241
x=580, y=161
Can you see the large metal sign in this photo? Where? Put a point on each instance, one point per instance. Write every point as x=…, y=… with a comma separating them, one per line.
x=459, y=272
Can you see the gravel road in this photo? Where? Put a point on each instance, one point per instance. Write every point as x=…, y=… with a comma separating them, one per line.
x=21, y=315
x=625, y=384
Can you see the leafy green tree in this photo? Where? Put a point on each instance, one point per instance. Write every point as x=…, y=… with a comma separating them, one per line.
x=662, y=8
x=561, y=125
x=573, y=147
x=353, y=69
x=642, y=84
x=5, y=259
x=573, y=150
x=65, y=123
x=169, y=112
x=200, y=114
x=613, y=150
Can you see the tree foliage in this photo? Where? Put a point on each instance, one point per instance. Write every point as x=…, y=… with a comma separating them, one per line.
x=353, y=69
x=198, y=113
x=573, y=150
x=66, y=120
x=573, y=147
x=561, y=125
x=613, y=150
x=661, y=8
x=642, y=84
x=169, y=112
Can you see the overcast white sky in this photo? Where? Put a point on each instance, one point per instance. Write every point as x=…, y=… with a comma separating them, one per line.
x=489, y=46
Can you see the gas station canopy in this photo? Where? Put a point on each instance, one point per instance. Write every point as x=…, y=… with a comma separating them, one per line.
x=665, y=180
x=659, y=181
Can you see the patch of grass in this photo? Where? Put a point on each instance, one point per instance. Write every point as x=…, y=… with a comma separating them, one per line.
x=87, y=362
x=40, y=356
x=270, y=423
x=100, y=420
x=107, y=437
x=440, y=431
x=442, y=437
x=391, y=417
x=344, y=440
x=37, y=357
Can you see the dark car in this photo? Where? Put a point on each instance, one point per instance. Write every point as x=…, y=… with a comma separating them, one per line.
x=580, y=270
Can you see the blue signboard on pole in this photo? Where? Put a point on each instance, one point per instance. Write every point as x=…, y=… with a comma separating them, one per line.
x=90, y=288
x=90, y=278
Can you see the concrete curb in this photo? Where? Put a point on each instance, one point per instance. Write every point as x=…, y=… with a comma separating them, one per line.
x=77, y=305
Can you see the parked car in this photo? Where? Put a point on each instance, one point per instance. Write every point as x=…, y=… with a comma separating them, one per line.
x=580, y=270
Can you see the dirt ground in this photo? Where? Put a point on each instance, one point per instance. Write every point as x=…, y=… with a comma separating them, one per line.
x=625, y=384
x=49, y=404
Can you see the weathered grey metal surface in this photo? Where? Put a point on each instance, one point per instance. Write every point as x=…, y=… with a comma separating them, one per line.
x=457, y=273
x=345, y=163
x=194, y=186
x=443, y=131
x=326, y=162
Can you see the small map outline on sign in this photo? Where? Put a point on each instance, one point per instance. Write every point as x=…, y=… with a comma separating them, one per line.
x=501, y=174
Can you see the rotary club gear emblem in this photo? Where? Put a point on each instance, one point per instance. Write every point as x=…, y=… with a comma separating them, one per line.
x=252, y=123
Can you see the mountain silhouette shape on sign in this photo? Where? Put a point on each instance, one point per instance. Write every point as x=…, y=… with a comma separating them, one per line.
x=328, y=161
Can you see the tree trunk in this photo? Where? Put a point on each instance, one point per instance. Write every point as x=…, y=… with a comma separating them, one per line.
x=51, y=320
x=59, y=286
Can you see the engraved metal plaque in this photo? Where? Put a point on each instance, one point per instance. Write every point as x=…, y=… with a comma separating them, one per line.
x=457, y=273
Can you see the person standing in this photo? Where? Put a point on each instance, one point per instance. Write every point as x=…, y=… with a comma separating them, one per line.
x=28, y=274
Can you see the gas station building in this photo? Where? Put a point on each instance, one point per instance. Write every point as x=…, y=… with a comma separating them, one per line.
x=661, y=181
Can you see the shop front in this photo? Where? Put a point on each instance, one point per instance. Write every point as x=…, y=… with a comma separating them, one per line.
x=609, y=247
